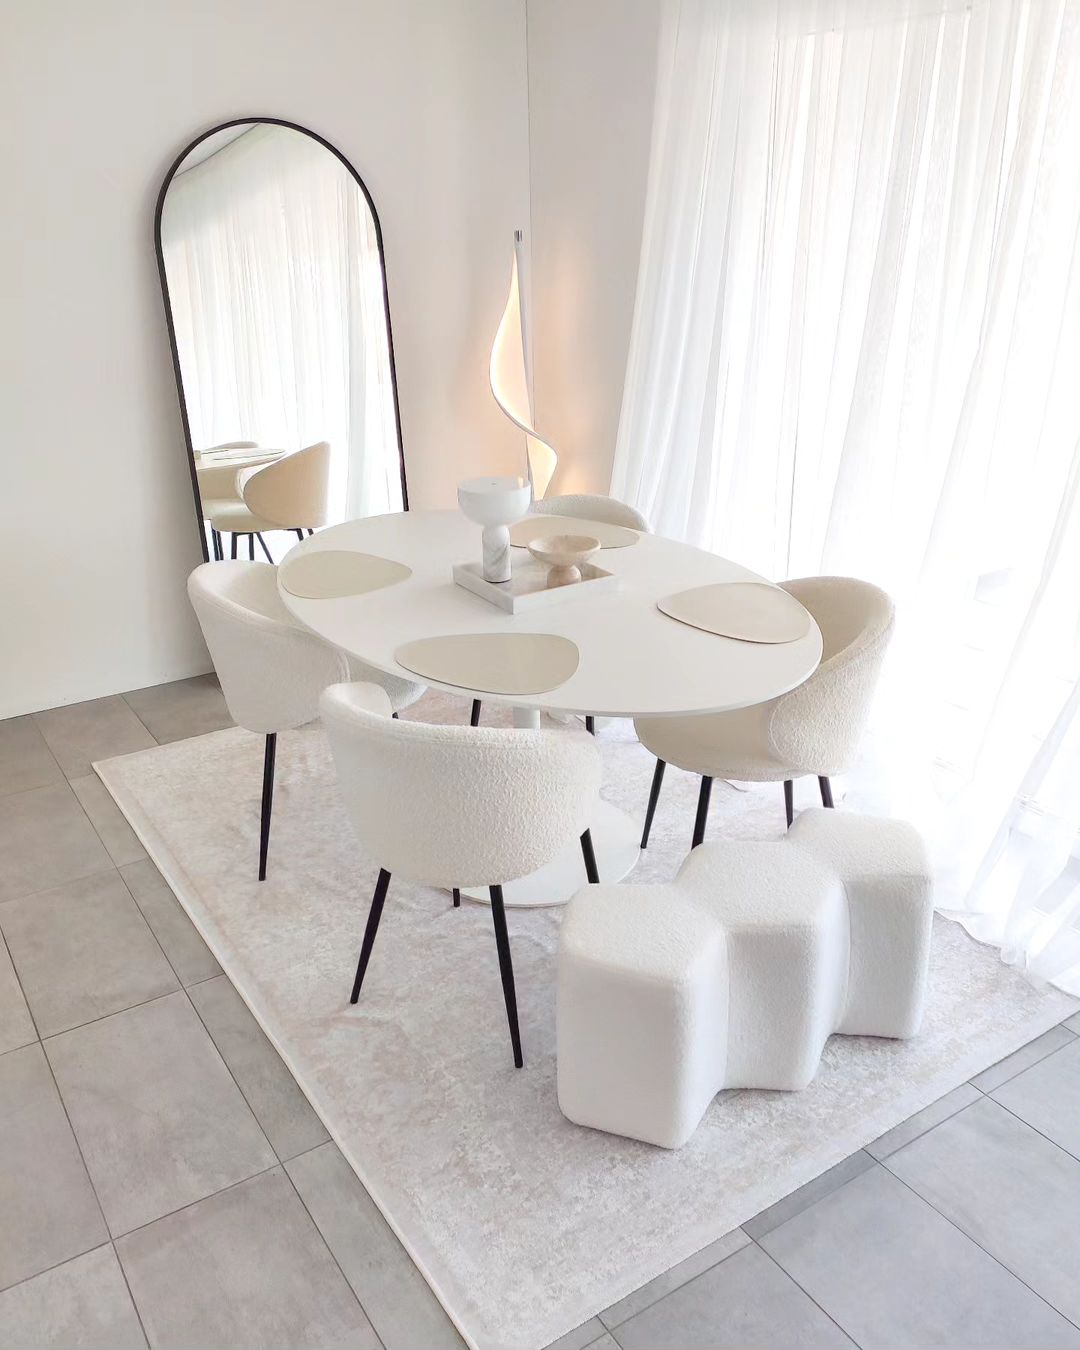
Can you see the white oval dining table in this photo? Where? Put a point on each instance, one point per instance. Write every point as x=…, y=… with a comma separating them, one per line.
x=634, y=661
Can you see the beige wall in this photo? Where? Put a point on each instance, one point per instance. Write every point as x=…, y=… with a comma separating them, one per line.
x=592, y=74
x=428, y=100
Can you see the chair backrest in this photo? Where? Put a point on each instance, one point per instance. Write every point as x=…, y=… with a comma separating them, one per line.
x=818, y=725
x=592, y=506
x=292, y=491
x=272, y=671
x=454, y=805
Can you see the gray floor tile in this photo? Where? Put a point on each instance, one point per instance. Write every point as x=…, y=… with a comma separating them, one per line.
x=991, y=1079
x=585, y=1336
x=25, y=760
x=605, y=1342
x=84, y=1303
x=83, y=951
x=1073, y=1023
x=172, y=712
x=924, y=1120
x=16, y=1024
x=107, y=818
x=80, y=733
x=188, y=954
x=839, y=1175
x=1014, y=1192
x=271, y=1091
x=892, y=1271
x=1047, y=1096
x=160, y=1120
x=45, y=840
x=243, y=1268
x=48, y=1212
x=671, y=1279
x=745, y=1301
x=402, y=1308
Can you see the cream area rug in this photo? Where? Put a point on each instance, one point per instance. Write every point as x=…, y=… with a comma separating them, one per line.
x=524, y=1224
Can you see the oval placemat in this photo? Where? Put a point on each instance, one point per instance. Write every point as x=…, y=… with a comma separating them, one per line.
x=493, y=663
x=752, y=611
x=329, y=574
x=535, y=527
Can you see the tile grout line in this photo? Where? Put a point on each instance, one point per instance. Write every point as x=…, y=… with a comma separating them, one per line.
x=131, y=1292
x=839, y=1326
x=123, y=699
x=326, y=1244
x=675, y=1288
x=1001, y=1264
x=1056, y=1027
x=1034, y=1128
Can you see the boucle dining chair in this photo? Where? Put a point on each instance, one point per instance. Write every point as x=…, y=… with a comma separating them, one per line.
x=217, y=485
x=814, y=729
x=583, y=506
x=271, y=670
x=452, y=807
x=291, y=493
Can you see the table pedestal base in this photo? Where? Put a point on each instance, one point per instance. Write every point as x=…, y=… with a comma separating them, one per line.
x=615, y=841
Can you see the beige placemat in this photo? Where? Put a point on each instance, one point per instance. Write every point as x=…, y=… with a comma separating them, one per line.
x=533, y=527
x=752, y=611
x=494, y=663
x=331, y=573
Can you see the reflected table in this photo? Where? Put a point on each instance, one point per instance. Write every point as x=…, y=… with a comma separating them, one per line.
x=634, y=660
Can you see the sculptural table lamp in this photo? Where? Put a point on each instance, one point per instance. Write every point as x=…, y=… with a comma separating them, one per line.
x=495, y=504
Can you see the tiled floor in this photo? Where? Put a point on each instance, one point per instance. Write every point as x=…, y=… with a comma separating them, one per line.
x=162, y=1178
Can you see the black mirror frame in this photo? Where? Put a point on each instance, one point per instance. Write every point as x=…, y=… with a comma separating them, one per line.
x=163, y=278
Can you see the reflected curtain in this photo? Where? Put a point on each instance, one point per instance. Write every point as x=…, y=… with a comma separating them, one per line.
x=856, y=349
x=276, y=287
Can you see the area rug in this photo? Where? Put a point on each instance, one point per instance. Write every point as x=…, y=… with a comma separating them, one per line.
x=523, y=1224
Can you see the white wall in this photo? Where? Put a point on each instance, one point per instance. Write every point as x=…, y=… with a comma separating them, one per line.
x=592, y=77
x=428, y=100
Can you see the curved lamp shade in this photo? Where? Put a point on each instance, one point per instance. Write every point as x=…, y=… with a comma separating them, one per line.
x=510, y=385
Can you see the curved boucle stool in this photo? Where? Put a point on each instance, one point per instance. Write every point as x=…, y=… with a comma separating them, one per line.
x=737, y=973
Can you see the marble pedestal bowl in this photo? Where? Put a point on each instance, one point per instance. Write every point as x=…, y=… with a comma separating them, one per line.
x=564, y=555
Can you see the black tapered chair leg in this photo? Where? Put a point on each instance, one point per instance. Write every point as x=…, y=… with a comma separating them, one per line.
x=590, y=724
x=299, y=533
x=506, y=970
x=215, y=539
x=374, y=915
x=589, y=856
x=702, y=810
x=826, y=791
x=789, y=800
x=394, y=716
x=654, y=797
x=262, y=542
x=457, y=898
x=233, y=546
x=251, y=548
x=474, y=716
x=267, y=800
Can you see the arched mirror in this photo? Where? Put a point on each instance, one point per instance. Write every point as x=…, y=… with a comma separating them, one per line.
x=272, y=271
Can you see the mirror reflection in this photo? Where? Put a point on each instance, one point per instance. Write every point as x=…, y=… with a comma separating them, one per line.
x=274, y=280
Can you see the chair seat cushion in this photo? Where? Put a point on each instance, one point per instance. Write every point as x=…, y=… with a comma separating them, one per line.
x=233, y=517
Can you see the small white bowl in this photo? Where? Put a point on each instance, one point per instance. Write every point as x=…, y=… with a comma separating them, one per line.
x=564, y=554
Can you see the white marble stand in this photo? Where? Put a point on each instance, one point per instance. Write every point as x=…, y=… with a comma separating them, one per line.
x=496, y=546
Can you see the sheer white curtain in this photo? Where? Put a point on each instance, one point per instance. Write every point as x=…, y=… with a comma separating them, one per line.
x=277, y=294
x=856, y=349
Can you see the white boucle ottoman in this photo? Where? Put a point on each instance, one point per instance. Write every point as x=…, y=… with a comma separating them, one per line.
x=737, y=973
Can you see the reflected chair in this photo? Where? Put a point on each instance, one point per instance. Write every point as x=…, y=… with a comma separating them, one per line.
x=292, y=493
x=271, y=669
x=814, y=729
x=448, y=806
x=217, y=485
x=583, y=506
